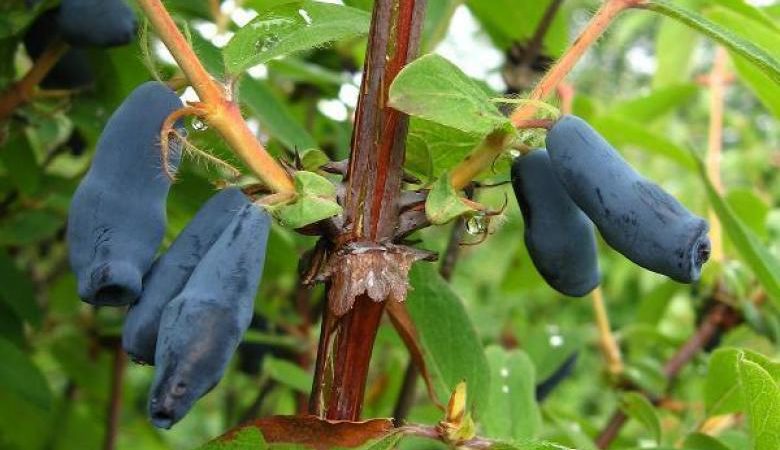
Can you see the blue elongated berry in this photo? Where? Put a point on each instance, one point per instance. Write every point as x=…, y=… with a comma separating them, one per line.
x=634, y=215
x=96, y=23
x=171, y=271
x=559, y=236
x=72, y=71
x=545, y=387
x=201, y=328
x=117, y=216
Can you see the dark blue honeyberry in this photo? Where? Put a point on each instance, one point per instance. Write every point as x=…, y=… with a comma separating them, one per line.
x=171, y=271
x=634, y=215
x=72, y=71
x=559, y=236
x=201, y=328
x=117, y=216
x=96, y=23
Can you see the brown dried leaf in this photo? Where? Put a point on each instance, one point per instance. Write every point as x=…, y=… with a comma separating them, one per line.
x=403, y=324
x=316, y=433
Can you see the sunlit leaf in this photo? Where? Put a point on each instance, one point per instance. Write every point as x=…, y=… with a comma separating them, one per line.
x=289, y=28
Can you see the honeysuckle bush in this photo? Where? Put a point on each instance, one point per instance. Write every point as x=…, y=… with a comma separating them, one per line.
x=294, y=68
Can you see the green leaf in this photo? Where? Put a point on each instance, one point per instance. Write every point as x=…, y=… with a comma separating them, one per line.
x=432, y=149
x=766, y=37
x=509, y=21
x=700, y=441
x=19, y=160
x=762, y=396
x=274, y=116
x=451, y=347
x=750, y=208
x=655, y=104
x=248, y=438
x=29, y=226
x=315, y=200
x=639, y=408
x=287, y=374
x=18, y=291
x=22, y=377
x=529, y=445
x=746, y=49
x=753, y=252
x=388, y=442
x=443, y=203
x=674, y=44
x=512, y=411
x=434, y=89
x=622, y=132
x=722, y=393
x=290, y=28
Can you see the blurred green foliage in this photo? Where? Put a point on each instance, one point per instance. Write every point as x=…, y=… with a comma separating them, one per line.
x=637, y=86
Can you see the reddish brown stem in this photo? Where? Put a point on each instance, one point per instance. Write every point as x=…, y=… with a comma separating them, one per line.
x=22, y=91
x=114, y=409
x=374, y=178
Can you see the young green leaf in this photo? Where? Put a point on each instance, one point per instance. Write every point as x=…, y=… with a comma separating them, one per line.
x=315, y=200
x=740, y=46
x=452, y=349
x=289, y=28
x=762, y=398
x=722, y=393
x=638, y=407
x=512, y=411
x=249, y=438
x=434, y=89
x=443, y=203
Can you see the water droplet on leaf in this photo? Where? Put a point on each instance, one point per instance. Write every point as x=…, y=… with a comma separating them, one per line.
x=477, y=224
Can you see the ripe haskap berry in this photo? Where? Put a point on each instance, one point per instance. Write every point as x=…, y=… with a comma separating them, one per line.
x=72, y=71
x=634, y=215
x=117, y=217
x=171, y=271
x=559, y=237
x=201, y=328
x=96, y=23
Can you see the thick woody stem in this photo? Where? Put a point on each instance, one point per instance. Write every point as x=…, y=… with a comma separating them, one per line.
x=374, y=180
x=221, y=112
x=22, y=91
x=483, y=157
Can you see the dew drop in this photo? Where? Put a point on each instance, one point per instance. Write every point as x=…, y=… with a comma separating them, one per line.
x=505, y=389
x=556, y=340
x=476, y=225
x=504, y=372
x=198, y=125
x=306, y=17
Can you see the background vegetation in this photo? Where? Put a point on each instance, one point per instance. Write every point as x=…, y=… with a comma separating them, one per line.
x=644, y=86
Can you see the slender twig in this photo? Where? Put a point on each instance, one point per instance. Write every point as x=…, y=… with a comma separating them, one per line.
x=114, y=408
x=717, y=83
x=254, y=409
x=720, y=317
x=221, y=112
x=23, y=90
x=484, y=156
x=534, y=46
x=430, y=432
x=607, y=341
